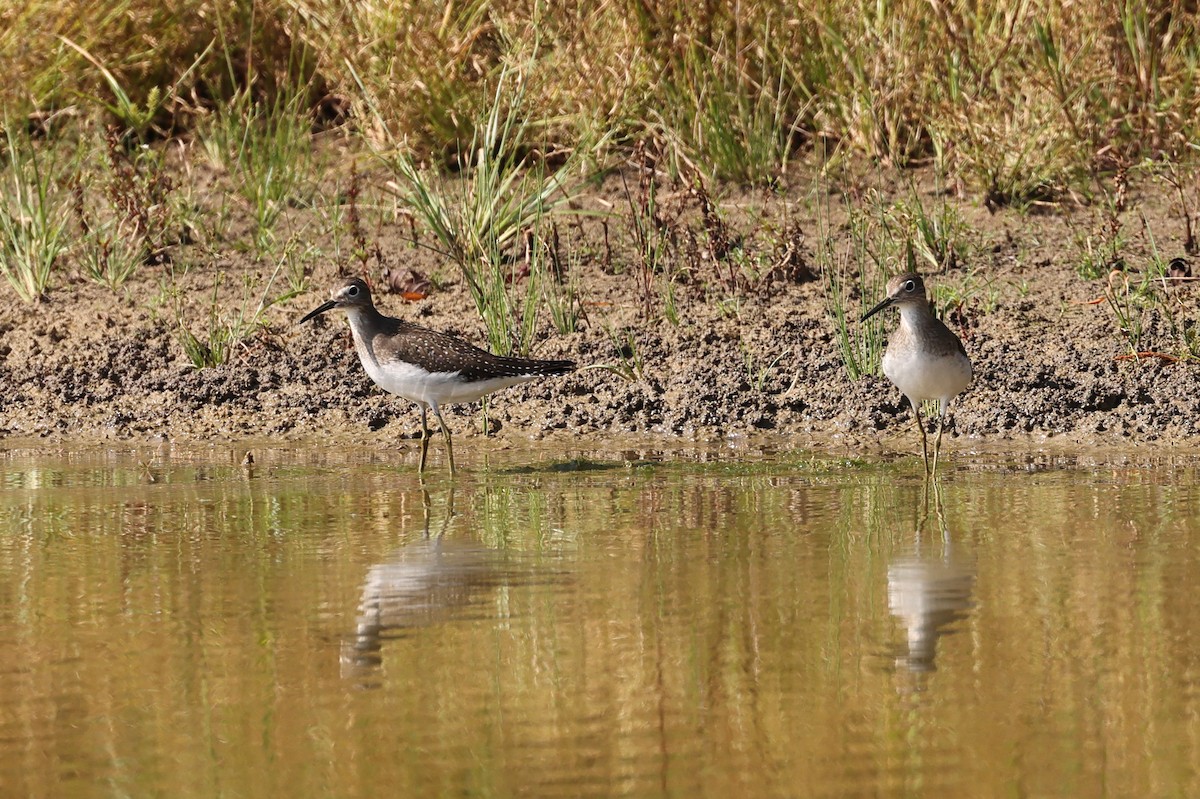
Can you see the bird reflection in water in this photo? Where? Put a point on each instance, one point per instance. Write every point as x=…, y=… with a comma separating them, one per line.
x=432, y=581
x=929, y=591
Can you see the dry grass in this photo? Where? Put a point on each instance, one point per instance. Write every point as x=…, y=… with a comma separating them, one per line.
x=1020, y=100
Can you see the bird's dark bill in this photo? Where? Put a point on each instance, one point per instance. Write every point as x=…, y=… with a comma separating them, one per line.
x=326, y=306
x=876, y=309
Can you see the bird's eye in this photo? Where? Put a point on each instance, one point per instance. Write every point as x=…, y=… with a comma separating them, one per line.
x=352, y=291
x=910, y=285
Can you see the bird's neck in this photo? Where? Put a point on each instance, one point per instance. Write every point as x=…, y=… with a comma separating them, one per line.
x=915, y=316
x=363, y=321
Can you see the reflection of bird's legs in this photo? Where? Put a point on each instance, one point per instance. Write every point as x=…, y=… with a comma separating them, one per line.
x=941, y=515
x=425, y=506
x=446, y=432
x=937, y=442
x=923, y=514
x=424, y=437
x=449, y=512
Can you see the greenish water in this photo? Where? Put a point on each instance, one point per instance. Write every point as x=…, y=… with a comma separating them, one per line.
x=172, y=624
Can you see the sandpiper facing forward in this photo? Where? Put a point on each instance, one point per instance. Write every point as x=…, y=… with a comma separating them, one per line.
x=426, y=367
x=924, y=359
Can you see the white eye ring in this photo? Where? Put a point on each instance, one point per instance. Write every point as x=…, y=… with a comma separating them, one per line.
x=910, y=285
x=352, y=291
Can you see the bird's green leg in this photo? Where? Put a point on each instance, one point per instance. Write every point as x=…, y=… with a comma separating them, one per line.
x=916, y=406
x=446, y=432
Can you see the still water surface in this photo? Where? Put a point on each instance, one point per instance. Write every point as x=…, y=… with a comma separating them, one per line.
x=172, y=624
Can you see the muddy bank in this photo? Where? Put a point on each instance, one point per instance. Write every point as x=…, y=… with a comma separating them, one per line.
x=88, y=364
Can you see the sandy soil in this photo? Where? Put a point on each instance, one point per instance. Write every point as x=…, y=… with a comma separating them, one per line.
x=89, y=365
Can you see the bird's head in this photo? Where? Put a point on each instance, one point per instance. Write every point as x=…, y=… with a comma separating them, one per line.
x=906, y=289
x=350, y=294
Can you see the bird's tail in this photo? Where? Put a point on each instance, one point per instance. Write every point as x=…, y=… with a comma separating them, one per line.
x=549, y=367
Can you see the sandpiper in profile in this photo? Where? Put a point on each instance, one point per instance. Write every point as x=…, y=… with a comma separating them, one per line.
x=424, y=366
x=924, y=359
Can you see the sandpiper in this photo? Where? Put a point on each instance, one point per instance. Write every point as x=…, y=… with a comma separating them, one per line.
x=924, y=359
x=424, y=366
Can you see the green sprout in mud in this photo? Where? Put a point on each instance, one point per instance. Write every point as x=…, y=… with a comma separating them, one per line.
x=631, y=366
x=975, y=289
x=937, y=235
x=559, y=281
x=760, y=370
x=1101, y=250
x=652, y=238
x=223, y=330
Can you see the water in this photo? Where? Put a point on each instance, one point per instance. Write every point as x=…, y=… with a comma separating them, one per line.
x=173, y=624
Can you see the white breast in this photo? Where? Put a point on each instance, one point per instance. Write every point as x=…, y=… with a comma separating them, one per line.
x=940, y=378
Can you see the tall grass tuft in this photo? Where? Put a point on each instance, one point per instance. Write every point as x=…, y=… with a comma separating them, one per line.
x=33, y=218
x=138, y=119
x=652, y=237
x=507, y=190
x=125, y=215
x=266, y=146
x=731, y=116
x=851, y=282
